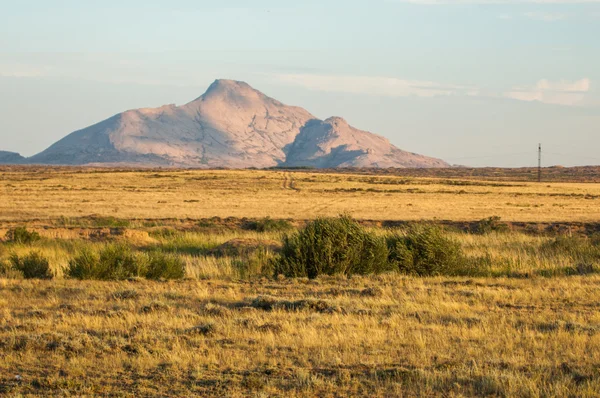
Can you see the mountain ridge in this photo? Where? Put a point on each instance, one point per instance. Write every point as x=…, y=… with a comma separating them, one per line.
x=231, y=125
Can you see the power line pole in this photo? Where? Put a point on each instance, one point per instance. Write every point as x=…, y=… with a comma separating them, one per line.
x=540, y=163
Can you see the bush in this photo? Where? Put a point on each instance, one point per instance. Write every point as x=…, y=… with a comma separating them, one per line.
x=118, y=262
x=489, y=225
x=426, y=251
x=114, y=262
x=165, y=266
x=268, y=225
x=22, y=236
x=32, y=266
x=329, y=246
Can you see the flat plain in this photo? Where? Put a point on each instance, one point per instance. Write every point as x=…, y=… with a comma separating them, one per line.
x=524, y=320
x=41, y=194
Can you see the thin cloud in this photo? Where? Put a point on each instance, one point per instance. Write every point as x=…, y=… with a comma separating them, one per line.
x=559, y=92
x=545, y=16
x=384, y=86
x=563, y=92
x=22, y=71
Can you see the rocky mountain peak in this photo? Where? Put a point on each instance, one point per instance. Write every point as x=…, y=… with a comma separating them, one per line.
x=231, y=125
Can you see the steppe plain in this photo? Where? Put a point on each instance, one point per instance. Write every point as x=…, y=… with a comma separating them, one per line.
x=525, y=323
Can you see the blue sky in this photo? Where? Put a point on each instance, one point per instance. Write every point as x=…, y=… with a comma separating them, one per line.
x=475, y=82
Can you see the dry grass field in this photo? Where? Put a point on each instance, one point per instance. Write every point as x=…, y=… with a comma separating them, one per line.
x=378, y=336
x=520, y=316
x=40, y=194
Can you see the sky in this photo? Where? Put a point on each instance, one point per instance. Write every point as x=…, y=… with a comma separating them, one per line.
x=474, y=82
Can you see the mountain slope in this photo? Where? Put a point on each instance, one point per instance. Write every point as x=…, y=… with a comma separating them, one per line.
x=231, y=125
x=334, y=143
x=10, y=158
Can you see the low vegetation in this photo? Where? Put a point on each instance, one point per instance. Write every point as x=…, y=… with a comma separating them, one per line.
x=130, y=198
x=310, y=306
x=389, y=335
x=268, y=225
x=31, y=266
x=425, y=250
x=332, y=246
x=120, y=262
x=21, y=235
x=326, y=246
x=164, y=266
x=489, y=225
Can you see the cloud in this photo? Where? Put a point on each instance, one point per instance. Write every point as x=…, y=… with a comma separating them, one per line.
x=563, y=92
x=559, y=93
x=12, y=70
x=545, y=16
x=384, y=86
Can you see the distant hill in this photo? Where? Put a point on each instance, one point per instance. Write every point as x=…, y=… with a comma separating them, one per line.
x=10, y=158
x=232, y=125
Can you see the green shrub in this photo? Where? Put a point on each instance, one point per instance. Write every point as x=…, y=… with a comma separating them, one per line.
x=489, y=225
x=86, y=265
x=165, y=266
x=118, y=262
x=114, y=262
x=329, y=246
x=426, y=251
x=268, y=225
x=22, y=236
x=32, y=266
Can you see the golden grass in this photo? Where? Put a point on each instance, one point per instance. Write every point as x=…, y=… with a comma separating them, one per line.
x=224, y=331
x=378, y=336
x=497, y=254
x=53, y=194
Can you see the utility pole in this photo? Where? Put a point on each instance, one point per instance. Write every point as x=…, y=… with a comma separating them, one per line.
x=540, y=163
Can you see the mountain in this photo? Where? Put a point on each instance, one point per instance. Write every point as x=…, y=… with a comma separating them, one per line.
x=10, y=158
x=232, y=125
x=334, y=143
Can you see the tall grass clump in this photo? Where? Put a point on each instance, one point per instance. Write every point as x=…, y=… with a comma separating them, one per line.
x=579, y=249
x=8, y=272
x=165, y=266
x=113, y=262
x=32, y=266
x=257, y=263
x=21, y=235
x=329, y=246
x=426, y=250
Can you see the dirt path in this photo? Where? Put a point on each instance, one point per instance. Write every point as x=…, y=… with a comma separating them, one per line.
x=288, y=182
